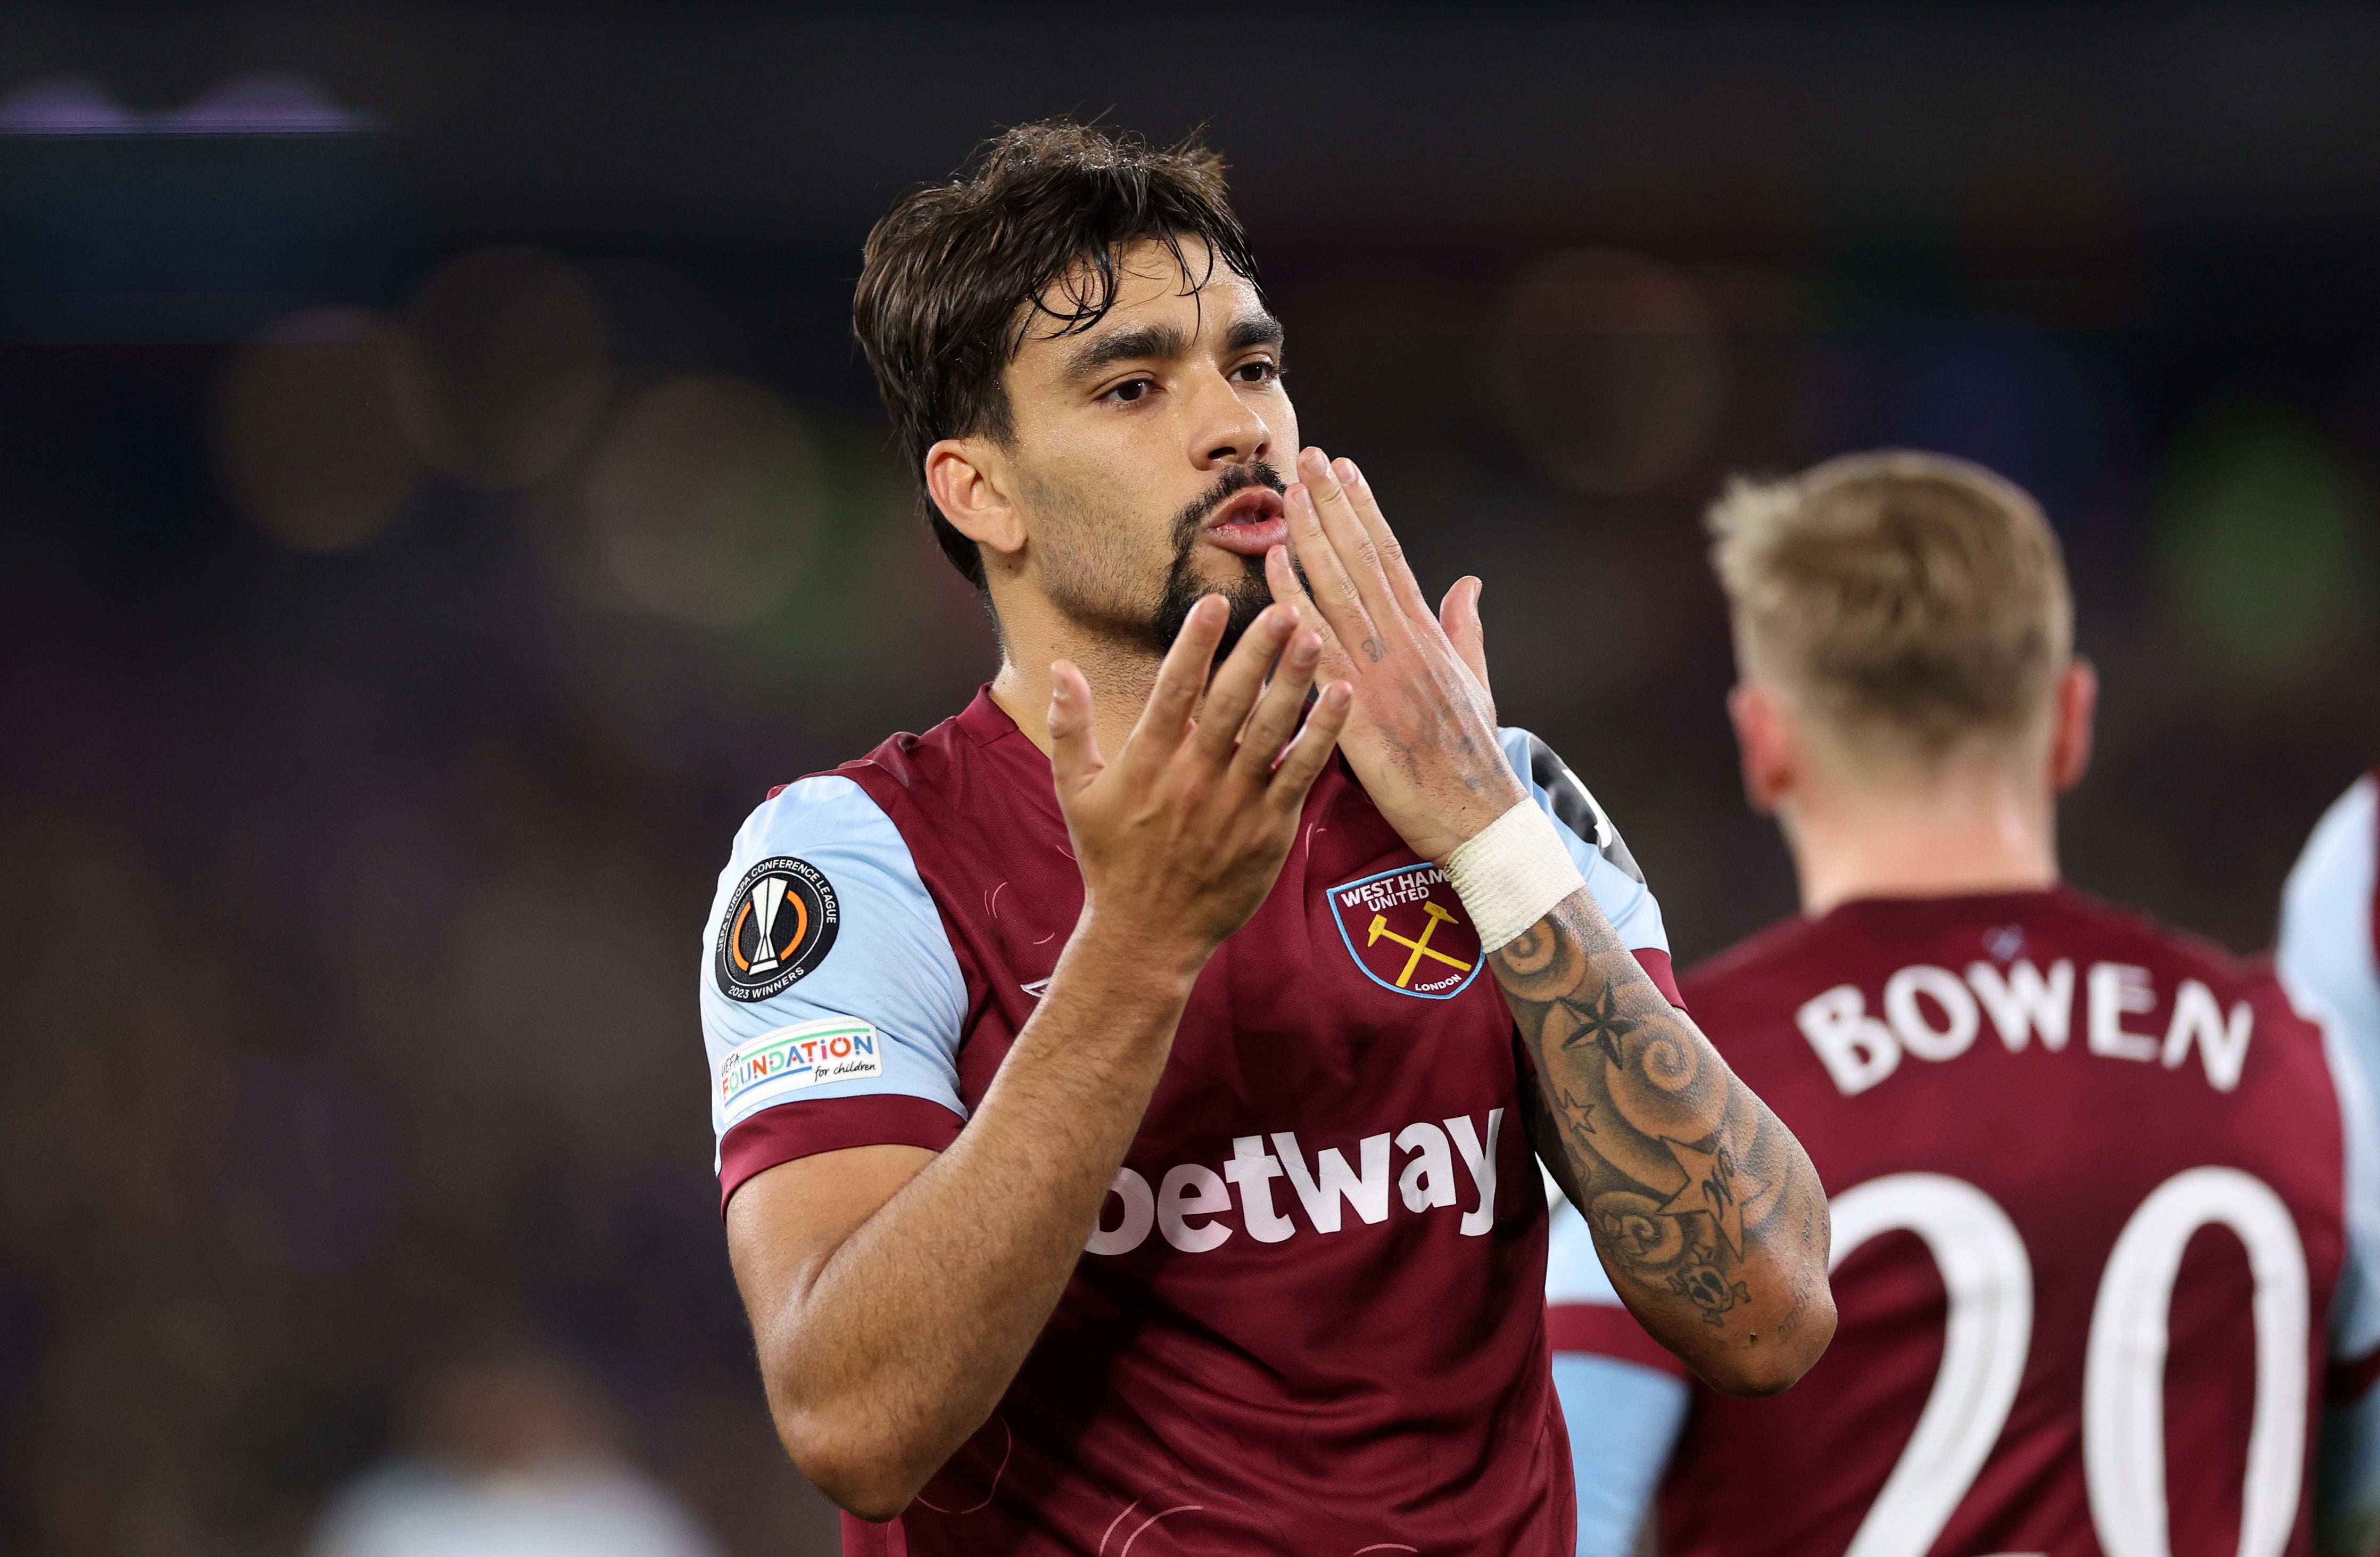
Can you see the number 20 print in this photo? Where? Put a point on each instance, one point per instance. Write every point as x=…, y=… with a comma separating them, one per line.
x=1989, y=1280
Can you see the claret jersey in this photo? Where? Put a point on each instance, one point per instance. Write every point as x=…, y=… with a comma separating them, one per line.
x=1299, y=1326
x=2102, y=1216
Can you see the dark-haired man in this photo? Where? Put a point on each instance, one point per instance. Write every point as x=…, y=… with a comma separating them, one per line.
x=1120, y=1149
x=2104, y=1205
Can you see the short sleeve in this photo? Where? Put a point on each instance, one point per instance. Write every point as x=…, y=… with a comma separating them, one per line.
x=832, y=1006
x=2355, y=1313
x=2329, y=962
x=1612, y=874
x=2327, y=951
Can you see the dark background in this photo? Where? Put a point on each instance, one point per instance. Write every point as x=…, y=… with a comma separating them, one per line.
x=433, y=510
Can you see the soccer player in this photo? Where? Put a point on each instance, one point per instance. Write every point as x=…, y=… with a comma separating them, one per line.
x=2330, y=958
x=1122, y=1150
x=2101, y=1203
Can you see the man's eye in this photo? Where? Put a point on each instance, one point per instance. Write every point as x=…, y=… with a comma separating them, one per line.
x=1258, y=371
x=1126, y=392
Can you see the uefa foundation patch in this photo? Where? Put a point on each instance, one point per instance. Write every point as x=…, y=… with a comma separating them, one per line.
x=805, y=1055
x=1407, y=930
x=779, y=924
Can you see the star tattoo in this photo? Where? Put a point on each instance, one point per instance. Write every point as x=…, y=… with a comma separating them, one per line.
x=1600, y=1022
x=1716, y=1186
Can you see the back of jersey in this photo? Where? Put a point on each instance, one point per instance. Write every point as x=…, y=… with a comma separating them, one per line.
x=2088, y=1182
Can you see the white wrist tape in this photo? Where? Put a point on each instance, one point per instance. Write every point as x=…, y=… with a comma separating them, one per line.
x=1512, y=874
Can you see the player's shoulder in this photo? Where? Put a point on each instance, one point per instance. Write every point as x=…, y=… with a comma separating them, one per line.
x=923, y=761
x=2109, y=932
x=2332, y=889
x=2063, y=922
x=2350, y=828
x=1748, y=962
x=883, y=787
x=2070, y=947
x=825, y=806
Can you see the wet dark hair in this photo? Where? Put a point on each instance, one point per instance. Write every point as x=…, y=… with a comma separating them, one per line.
x=1033, y=228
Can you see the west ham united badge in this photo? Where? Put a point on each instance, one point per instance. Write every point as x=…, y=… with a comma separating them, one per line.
x=1407, y=930
x=778, y=926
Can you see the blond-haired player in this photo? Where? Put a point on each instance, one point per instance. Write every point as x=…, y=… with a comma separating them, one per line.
x=2091, y=1180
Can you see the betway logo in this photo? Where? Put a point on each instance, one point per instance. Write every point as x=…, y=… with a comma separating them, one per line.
x=1190, y=1202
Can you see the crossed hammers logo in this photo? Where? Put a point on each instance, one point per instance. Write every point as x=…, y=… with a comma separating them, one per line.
x=1421, y=948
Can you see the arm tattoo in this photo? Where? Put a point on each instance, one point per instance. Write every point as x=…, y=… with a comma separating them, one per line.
x=1679, y=1170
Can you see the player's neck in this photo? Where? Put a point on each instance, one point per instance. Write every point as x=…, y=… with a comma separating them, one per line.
x=1969, y=835
x=1121, y=675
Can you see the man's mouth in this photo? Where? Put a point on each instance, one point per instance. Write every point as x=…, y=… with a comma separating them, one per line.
x=1251, y=522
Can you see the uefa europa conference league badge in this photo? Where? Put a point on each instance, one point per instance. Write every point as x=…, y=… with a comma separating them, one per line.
x=779, y=925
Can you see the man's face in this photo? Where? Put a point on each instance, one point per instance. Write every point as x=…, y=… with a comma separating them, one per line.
x=1145, y=450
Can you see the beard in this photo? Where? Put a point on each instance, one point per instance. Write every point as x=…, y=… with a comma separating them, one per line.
x=1086, y=586
x=1248, y=593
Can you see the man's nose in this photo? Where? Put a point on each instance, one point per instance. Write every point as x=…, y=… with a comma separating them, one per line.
x=1224, y=429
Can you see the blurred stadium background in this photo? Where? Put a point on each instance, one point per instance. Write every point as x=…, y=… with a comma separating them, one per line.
x=438, y=497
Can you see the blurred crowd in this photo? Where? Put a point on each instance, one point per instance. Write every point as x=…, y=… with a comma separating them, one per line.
x=389, y=648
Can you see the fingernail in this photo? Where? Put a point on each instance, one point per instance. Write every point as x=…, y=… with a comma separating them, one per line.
x=1302, y=498
x=1312, y=461
x=1337, y=694
x=1348, y=474
x=1306, y=651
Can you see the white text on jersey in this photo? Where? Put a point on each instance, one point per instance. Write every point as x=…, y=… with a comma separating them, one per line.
x=1935, y=1015
x=1190, y=1200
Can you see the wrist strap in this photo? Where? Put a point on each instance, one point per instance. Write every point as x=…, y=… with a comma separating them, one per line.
x=1512, y=874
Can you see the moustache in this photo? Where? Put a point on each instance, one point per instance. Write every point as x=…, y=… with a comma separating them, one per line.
x=1234, y=479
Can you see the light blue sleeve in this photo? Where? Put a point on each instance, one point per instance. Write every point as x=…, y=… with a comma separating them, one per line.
x=1623, y=1417
x=862, y=996
x=2355, y=1311
x=2327, y=961
x=1611, y=871
x=2327, y=952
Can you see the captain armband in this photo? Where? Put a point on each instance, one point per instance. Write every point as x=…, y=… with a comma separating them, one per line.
x=1512, y=874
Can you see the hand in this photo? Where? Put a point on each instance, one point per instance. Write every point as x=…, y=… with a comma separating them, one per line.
x=1182, y=836
x=1422, y=732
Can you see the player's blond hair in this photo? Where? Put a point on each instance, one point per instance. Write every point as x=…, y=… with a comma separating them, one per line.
x=1906, y=599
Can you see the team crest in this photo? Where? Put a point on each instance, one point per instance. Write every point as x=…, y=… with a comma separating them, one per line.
x=1407, y=930
x=779, y=925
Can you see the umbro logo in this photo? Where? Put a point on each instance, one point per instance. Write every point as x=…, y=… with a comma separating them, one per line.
x=1037, y=988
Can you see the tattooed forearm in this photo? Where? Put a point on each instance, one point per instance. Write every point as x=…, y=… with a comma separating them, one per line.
x=1706, y=1213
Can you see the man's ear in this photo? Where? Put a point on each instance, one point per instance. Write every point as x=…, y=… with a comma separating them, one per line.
x=1765, y=742
x=968, y=479
x=2070, y=740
